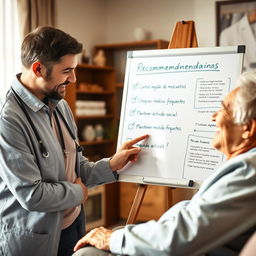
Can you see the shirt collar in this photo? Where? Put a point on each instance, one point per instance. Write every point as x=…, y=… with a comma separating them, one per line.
x=252, y=150
x=29, y=98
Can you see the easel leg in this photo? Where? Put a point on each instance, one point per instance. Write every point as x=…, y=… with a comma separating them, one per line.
x=136, y=204
x=169, y=202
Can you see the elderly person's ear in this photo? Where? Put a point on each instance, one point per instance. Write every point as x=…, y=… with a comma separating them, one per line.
x=249, y=130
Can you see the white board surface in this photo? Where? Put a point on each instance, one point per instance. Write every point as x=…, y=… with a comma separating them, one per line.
x=171, y=95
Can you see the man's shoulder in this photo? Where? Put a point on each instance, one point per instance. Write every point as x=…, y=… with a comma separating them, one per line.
x=65, y=109
x=63, y=106
x=8, y=107
x=63, y=103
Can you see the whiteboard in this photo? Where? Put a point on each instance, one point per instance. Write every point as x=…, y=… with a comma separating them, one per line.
x=171, y=95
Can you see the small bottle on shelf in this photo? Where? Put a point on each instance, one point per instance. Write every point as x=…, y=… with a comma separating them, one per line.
x=88, y=133
x=99, y=131
x=100, y=59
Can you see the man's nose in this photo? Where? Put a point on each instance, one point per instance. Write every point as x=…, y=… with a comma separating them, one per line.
x=72, y=76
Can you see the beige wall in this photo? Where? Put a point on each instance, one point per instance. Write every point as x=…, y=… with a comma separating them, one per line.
x=159, y=17
x=109, y=21
x=83, y=19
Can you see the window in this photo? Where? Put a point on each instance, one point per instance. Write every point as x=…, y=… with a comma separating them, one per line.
x=9, y=45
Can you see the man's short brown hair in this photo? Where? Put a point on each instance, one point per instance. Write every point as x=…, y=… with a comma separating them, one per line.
x=47, y=45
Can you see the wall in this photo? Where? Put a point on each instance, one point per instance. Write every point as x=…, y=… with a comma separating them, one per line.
x=83, y=19
x=109, y=21
x=160, y=17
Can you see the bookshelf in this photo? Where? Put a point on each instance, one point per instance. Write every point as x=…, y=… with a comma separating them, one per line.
x=95, y=86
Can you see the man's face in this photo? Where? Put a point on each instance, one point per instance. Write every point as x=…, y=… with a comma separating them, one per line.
x=62, y=74
x=228, y=137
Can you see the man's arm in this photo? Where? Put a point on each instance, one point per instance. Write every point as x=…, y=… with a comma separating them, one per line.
x=102, y=171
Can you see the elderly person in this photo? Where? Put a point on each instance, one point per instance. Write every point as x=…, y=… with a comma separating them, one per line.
x=220, y=218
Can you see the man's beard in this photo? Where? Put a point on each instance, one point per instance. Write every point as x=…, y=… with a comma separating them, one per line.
x=54, y=94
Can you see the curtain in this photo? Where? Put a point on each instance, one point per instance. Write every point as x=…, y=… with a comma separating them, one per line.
x=34, y=13
x=9, y=45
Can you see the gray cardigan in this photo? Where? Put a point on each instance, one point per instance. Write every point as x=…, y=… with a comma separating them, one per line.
x=219, y=214
x=33, y=189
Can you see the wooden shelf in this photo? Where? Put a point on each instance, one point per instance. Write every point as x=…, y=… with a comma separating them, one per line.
x=154, y=44
x=96, y=117
x=119, y=85
x=102, y=197
x=98, y=219
x=94, y=67
x=116, y=53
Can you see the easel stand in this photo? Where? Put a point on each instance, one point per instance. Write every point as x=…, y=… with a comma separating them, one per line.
x=136, y=203
x=184, y=36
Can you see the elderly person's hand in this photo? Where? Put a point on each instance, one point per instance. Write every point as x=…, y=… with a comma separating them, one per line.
x=127, y=152
x=98, y=237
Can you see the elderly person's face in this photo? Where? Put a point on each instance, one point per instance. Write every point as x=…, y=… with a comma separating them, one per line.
x=229, y=136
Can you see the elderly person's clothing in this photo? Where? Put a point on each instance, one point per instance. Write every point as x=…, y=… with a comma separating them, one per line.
x=34, y=191
x=219, y=215
x=91, y=251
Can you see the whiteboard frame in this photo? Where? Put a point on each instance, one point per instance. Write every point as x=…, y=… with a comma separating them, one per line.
x=165, y=53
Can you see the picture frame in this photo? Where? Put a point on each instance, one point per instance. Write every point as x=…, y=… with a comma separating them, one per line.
x=230, y=12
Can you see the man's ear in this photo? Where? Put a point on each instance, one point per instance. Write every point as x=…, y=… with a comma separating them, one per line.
x=249, y=129
x=37, y=67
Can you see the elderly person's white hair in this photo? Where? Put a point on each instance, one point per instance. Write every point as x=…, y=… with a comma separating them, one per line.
x=245, y=100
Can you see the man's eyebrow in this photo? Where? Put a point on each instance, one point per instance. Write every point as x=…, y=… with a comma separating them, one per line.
x=68, y=69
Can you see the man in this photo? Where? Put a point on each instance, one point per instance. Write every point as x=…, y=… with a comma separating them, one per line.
x=43, y=175
x=221, y=216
